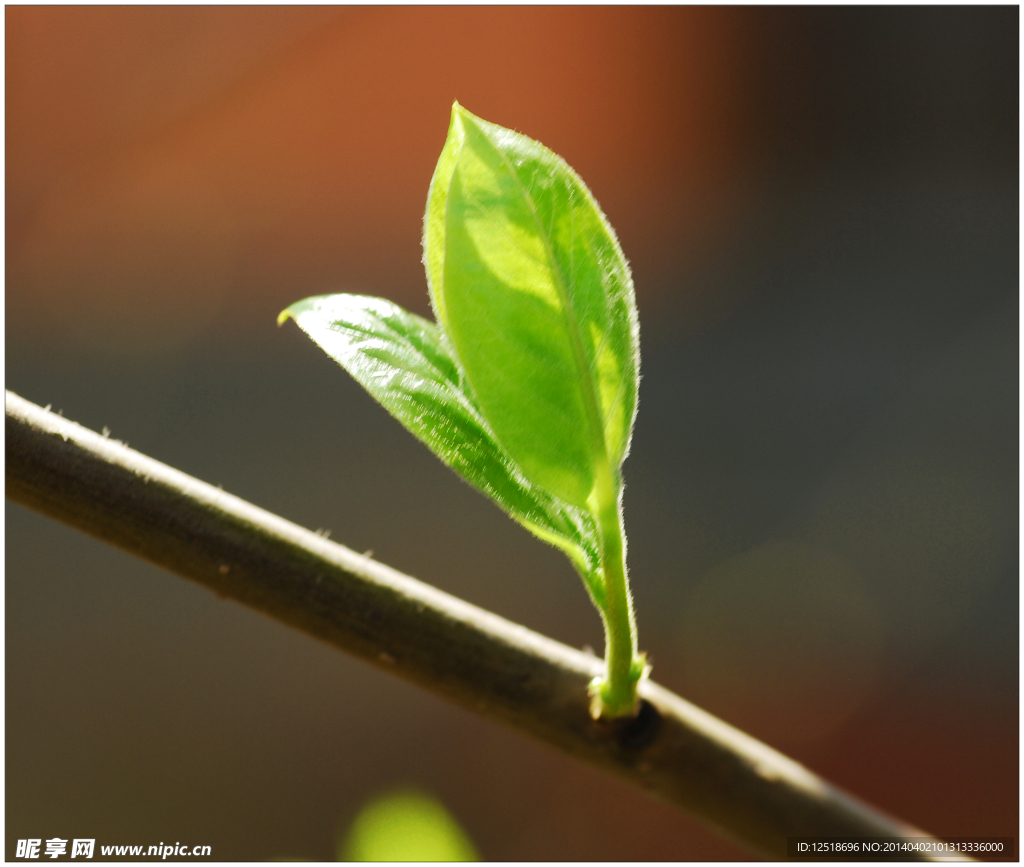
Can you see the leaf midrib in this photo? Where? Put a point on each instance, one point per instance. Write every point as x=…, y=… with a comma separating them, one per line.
x=590, y=399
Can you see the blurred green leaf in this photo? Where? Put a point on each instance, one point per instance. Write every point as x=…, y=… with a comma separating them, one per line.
x=533, y=291
x=401, y=360
x=406, y=826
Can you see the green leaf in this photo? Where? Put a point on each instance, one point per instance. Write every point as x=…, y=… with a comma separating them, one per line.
x=406, y=826
x=401, y=360
x=527, y=385
x=534, y=294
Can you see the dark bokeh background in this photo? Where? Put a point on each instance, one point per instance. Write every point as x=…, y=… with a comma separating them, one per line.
x=821, y=211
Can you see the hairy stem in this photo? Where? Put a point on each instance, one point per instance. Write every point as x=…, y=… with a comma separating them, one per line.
x=615, y=695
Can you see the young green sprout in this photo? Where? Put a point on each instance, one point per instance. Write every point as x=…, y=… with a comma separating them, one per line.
x=527, y=384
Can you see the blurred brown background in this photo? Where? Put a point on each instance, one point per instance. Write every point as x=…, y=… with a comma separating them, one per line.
x=820, y=207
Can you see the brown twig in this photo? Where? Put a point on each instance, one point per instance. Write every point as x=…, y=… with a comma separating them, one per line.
x=728, y=780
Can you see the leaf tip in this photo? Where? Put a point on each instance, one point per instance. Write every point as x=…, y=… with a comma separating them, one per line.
x=292, y=311
x=461, y=115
